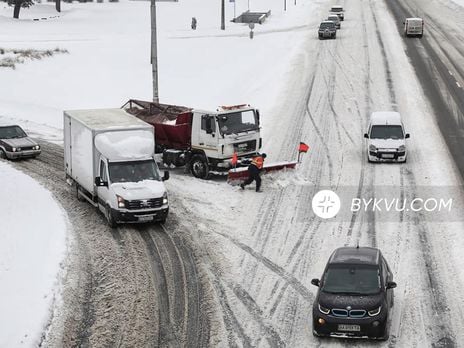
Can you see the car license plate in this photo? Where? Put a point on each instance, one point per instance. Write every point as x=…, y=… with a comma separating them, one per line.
x=145, y=218
x=344, y=327
x=388, y=155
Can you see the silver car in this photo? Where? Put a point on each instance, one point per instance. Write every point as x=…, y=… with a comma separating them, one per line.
x=14, y=143
x=334, y=18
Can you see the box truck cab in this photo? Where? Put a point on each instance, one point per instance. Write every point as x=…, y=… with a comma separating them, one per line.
x=109, y=156
x=413, y=27
x=386, y=137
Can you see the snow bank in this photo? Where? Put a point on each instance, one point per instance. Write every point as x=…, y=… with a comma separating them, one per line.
x=33, y=240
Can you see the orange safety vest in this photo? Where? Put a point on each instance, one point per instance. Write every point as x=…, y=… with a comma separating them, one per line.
x=258, y=161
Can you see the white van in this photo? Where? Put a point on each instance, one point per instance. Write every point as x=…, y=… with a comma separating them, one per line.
x=386, y=138
x=414, y=27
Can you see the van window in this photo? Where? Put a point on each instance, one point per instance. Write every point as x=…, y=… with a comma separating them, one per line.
x=103, y=175
x=387, y=132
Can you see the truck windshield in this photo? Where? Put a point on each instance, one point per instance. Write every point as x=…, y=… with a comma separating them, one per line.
x=387, y=132
x=133, y=171
x=236, y=122
x=352, y=280
x=11, y=132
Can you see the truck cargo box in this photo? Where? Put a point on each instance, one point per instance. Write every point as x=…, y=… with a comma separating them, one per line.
x=173, y=124
x=87, y=133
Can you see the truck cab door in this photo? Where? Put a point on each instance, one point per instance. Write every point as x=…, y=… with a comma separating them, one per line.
x=208, y=134
x=103, y=189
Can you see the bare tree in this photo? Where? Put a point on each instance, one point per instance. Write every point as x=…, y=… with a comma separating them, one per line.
x=18, y=4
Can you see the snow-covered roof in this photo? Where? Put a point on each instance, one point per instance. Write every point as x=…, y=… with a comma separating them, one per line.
x=103, y=119
x=386, y=117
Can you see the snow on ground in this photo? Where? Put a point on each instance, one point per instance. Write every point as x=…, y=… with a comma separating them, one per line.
x=32, y=247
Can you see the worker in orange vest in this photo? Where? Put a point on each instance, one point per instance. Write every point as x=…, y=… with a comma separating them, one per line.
x=254, y=170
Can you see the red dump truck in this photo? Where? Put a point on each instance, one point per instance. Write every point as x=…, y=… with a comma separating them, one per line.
x=204, y=140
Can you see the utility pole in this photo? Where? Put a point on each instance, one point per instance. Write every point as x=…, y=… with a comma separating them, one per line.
x=285, y=5
x=223, y=15
x=154, y=52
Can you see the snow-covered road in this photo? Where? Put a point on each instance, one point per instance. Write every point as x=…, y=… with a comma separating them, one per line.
x=231, y=267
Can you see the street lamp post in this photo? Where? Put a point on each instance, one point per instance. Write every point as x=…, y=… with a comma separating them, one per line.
x=154, y=52
x=223, y=15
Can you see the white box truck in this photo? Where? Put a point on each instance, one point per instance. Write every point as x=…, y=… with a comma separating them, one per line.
x=109, y=156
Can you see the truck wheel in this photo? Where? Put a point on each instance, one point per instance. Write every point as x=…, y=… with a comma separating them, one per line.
x=199, y=167
x=110, y=218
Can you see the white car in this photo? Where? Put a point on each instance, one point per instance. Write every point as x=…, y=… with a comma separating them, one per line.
x=413, y=27
x=338, y=10
x=334, y=18
x=386, y=138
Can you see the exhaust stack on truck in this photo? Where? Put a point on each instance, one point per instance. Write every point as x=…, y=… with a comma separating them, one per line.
x=109, y=156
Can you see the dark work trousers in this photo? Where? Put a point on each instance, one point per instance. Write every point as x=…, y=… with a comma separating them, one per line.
x=253, y=172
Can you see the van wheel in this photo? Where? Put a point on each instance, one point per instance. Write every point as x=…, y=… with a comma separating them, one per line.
x=110, y=217
x=199, y=167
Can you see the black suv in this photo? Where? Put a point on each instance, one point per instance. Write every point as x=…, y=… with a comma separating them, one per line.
x=355, y=295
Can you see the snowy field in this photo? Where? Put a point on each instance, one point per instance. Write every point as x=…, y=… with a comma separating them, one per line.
x=263, y=247
x=32, y=251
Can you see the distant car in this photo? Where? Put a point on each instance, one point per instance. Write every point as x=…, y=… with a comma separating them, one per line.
x=339, y=11
x=413, y=27
x=334, y=18
x=355, y=295
x=386, y=138
x=14, y=143
x=327, y=30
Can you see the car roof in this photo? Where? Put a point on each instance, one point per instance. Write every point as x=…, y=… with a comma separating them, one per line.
x=356, y=256
x=333, y=15
x=385, y=118
x=414, y=19
x=337, y=6
x=330, y=22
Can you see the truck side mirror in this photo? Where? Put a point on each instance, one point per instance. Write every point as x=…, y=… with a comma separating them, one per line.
x=315, y=282
x=166, y=175
x=407, y=136
x=99, y=182
x=391, y=285
x=366, y=135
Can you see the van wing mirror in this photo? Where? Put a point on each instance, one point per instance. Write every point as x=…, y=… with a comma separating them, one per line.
x=99, y=182
x=315, y=282
x=391, y=285
x=166, y=175
x=366, y=135
x=407, y=136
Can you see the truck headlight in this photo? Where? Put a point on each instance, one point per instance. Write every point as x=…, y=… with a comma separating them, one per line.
x=121, y=202
x=374, y=312
x=401, y=148
x=323, y=309
x=372, y=148
x=165, y=198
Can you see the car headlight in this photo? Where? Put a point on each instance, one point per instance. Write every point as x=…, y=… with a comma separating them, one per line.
x=372, y=148
x=323, y=309
x=14, y=149
x=165, y=198
x=374, y=312
x=121, y=202
x=401, y=148
x=37, y=147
